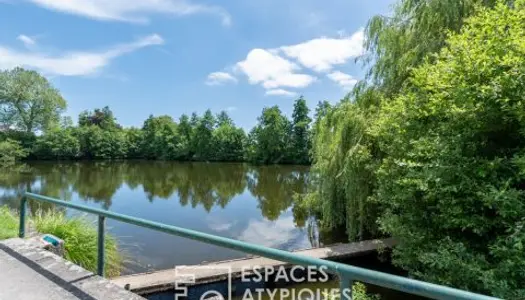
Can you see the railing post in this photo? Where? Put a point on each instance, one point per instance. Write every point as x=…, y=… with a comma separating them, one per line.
x=22, y=228
x=345, y=287
x=101, y=247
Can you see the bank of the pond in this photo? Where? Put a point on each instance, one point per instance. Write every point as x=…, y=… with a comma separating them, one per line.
x=79, y=235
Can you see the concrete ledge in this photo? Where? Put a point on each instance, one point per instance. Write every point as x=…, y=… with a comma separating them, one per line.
x=30, y=272
x=164, y=280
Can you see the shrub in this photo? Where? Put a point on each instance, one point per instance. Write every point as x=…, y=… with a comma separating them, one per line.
x=58, y=144
x=10, y=152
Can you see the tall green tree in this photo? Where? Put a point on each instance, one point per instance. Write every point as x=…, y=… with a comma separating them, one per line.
x=344, y=171
x=204, y=137
x=134, y=141
x=452, y=181
x=269, y=141
x=186, y=135
x=223, y=119
x=343, y=144
x=398, y=42
x=301, y=132
x=28, y=102
x=97, y=143
x=161, y=138
x=228, y=143
x=102, y=118
x=194, y=122
x=321, y=110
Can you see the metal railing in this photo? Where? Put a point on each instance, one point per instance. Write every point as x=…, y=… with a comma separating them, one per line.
x=347, y=273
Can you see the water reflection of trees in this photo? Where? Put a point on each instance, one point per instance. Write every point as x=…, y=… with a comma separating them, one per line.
x=275, y=186
x=194, y=183
x=207, y=184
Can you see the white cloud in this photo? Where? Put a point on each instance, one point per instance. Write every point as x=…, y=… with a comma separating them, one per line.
x=344, y=80
x=231, y=108
x=130, y=10
x=322, y=54
x=219, y=224
x=279, y=69
x=272, y=71
x=72, y=63
x=280, y=92
x=28, y=42
x=278, y=234
x=218, y=78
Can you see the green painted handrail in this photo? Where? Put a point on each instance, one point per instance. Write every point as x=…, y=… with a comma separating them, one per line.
x=346, y=273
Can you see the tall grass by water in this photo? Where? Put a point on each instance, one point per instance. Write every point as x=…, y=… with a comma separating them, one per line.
x=8, y=223
x=79, y=235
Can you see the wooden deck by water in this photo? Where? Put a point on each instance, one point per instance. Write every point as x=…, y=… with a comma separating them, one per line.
x=164, y=280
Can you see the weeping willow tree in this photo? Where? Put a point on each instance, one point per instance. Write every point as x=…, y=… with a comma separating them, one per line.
x=345, y=155
x=343, y=171
x=398, y=43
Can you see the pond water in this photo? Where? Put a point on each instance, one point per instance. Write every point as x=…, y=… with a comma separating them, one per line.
x=252, y=204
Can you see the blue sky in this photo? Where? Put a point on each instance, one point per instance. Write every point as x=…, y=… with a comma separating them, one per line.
x=143, y=57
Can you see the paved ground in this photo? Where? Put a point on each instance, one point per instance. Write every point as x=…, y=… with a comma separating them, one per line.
x=29, y=272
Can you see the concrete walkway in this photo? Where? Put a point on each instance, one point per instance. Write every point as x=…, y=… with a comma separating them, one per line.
x=29, y=272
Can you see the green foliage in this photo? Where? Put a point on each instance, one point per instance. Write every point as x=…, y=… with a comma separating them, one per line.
x=322, y=109
x=300, y=132
x=269, y=140
x=432, y=144
x=399, y=42
x=26, y=139
x=57, y=144
x=160, y=138
x=223, y=119
x=345, y=155
x=28, y=102
x=80, y=239
x=101, y=137
x=97, y=143
x=10, y=152
x=451, y=184
x=185, y=130
x=203, y=136
x=102, y=118
x=343, y=171
x=8, y=223
x=359, y=292
x=134, y=142
x=228, y=143
x=79, y=235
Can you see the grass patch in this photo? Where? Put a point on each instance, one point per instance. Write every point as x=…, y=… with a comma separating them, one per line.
x=80, y=238
x=79, y=235
x=8, y=223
